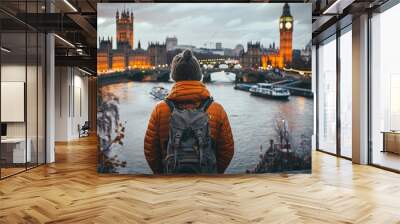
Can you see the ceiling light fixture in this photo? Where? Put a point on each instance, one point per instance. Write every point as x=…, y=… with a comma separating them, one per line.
x=5, y=50
x=70, y=5
x=331, y=7
x=64, y=40
x=337, y=7
x=86, y=72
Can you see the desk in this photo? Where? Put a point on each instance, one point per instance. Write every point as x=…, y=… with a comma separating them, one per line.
x=391, y=141
x=13, y=150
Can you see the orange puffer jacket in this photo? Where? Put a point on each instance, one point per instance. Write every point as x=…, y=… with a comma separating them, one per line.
x=156, y=138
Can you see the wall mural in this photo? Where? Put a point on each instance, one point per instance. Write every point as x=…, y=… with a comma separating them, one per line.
x=204, y=88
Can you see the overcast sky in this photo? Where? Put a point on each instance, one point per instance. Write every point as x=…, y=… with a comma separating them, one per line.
x=204, y=24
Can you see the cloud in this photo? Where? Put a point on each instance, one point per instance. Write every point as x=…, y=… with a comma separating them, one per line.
x=144, y=26
x=234, y=22
x=101, y=20
x=190, y=21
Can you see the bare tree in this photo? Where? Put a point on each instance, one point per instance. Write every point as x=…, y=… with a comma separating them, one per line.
x=110, y=132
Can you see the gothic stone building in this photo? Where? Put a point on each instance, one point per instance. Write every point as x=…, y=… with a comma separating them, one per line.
x=257, y=56
x=125, y=56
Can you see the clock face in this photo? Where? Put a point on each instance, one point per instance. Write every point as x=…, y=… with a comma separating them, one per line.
x=288, y=25
x=281, y=25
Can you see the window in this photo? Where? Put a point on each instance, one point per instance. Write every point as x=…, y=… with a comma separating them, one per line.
x=327, y=96
x=385, y=89
x=346, y=93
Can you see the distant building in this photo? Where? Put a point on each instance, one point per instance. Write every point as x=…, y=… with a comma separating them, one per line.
x=104, y=54
x=105, y=44
x=230, y=53
x=296, y=54
x=271, y=56
x=258, y=56
x=217, y=52
x=305, y=54
x=119, y=60
x=218, y=46
x=139, y=58
x=157, y=53
x=185, y=46
x=251, y=58
x=238, y=49
x=171, y=43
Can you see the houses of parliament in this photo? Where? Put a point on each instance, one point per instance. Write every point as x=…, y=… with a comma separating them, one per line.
x=125, y=56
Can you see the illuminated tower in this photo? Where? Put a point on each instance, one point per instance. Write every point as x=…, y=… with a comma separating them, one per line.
x=124, y=24
x=286, y=31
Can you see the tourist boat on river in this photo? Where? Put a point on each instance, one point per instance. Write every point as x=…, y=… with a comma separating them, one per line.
x=159, y=92
x=269, y=91
x=244, y=87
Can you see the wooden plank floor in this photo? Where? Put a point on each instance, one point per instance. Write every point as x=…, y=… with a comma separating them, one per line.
x=70, y=191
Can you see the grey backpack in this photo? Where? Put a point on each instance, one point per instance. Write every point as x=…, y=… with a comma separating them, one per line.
x=190, y=148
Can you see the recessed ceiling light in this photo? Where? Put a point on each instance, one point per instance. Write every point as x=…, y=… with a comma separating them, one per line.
x=5, y=50
x=70, y=5
x=64, y=40
x=86, y=72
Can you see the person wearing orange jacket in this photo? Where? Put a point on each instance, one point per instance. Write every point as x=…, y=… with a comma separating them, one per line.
x=190, y=92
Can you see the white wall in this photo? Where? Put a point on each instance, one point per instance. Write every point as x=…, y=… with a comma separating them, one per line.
x=80, y=101
x=62, y=81
x=71, y=102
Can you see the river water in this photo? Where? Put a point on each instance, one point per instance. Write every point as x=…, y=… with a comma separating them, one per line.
x=252, y=120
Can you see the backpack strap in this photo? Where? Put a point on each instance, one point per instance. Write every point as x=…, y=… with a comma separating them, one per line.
x=206, y=104
x=170, y=104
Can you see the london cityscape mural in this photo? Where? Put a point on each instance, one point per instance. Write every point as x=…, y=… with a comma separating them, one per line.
x=255, y=61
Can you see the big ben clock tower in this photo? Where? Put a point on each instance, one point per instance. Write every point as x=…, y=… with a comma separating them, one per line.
x=286, y=31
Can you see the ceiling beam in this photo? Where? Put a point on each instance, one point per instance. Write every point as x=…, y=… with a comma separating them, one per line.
x=78, y=61
x=90, y=31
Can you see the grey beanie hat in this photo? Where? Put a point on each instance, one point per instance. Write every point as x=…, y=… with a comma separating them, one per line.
x=185, y=67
